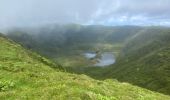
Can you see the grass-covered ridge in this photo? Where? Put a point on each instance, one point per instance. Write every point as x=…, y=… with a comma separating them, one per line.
x=28, y=76
x=145, y=60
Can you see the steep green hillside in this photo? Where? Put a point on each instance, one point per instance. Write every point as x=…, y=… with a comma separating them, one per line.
x=145, y=60
x=27, y=76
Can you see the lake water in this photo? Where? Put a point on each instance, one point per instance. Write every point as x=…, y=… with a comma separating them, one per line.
x=106, y=58
x=90, y=55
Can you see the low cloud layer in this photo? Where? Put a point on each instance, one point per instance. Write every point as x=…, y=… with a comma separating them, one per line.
x=106, y=12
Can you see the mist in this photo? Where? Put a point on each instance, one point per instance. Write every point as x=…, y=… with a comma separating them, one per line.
x=23, y=13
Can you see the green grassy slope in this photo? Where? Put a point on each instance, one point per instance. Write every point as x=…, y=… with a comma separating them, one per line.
x=28, y=76
x=145, y=60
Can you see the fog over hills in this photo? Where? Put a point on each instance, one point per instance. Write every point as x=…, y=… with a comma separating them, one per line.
x=108, y=12
x=84, y=50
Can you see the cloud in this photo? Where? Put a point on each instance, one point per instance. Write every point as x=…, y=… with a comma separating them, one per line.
x=107, y=12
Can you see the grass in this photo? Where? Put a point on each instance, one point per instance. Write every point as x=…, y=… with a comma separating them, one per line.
x=25, y=75
x=145, y=61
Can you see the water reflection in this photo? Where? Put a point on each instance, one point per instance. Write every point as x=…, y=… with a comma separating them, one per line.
x=105, y=59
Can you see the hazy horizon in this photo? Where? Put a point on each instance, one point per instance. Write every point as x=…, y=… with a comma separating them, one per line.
x=22, y=13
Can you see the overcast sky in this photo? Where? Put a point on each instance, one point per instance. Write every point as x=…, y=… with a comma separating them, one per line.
x=105, y=12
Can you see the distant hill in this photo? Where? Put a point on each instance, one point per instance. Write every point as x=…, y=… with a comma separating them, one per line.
x=62, y=42
x=24, y=75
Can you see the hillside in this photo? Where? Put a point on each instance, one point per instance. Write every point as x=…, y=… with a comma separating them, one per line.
x=27, y=76
x=145, y=60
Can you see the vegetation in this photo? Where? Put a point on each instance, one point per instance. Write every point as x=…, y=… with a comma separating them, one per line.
x=145, y=60
x=25, y=75
x=142, y=53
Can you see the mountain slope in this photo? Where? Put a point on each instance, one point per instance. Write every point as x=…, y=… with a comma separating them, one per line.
x=145, y=60
x=28, y=76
